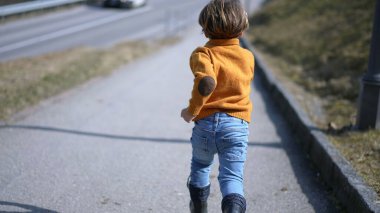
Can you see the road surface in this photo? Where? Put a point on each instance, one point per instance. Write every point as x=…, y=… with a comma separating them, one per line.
x=94, y=26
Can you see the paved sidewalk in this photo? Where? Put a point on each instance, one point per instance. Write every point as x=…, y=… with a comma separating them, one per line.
x=118, y=144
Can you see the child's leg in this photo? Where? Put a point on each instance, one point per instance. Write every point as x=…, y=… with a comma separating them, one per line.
x=202, y=159
x=232, y=156
x=199, y=183
x=232, y=147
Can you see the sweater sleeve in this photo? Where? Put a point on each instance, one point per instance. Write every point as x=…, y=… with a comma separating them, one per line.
x=253, y=65
x=204, y=80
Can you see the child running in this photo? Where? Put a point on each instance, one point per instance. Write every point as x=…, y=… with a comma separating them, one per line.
x=220, y=106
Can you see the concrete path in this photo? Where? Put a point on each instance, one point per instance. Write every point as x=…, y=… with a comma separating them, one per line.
x=118, y=144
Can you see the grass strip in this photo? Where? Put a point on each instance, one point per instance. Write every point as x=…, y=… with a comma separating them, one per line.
x=320, y=51
x=25, y=82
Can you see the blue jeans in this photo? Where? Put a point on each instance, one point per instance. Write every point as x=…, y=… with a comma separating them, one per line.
x=227, y=136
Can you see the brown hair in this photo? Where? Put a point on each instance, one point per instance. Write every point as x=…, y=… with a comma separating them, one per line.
x=223, y=19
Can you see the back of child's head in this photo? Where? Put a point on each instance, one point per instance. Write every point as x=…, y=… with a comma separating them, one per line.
x=223, y=19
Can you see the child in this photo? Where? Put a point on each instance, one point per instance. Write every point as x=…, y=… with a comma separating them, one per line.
x=220, y=106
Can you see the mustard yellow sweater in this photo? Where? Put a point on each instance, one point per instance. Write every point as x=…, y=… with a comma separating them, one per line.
x=223, y=73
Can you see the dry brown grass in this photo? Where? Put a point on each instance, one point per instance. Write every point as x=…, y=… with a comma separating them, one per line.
x=322, y=47
x=24, y=82
x=362, y=150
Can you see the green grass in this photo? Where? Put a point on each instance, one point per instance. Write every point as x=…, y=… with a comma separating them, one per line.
x=323, y=47
x=24, y=82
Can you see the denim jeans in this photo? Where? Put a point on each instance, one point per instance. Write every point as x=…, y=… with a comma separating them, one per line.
x=226, y=136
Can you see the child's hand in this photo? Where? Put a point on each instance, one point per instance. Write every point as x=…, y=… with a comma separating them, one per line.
x=186, y=115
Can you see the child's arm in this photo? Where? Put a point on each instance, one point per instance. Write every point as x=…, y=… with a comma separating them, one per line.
x=204, y=80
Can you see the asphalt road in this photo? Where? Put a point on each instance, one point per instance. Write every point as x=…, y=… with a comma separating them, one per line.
x=94, y=26
x=118, y=144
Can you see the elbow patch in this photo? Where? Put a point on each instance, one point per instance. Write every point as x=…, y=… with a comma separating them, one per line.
x=206, y=86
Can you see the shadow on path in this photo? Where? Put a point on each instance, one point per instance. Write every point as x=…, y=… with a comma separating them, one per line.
x=307, y=176
x=124, y=137
x=26, y=208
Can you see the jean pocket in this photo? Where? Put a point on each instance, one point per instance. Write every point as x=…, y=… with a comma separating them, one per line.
x=234, y=148
x=204, y=124
x=199, y=143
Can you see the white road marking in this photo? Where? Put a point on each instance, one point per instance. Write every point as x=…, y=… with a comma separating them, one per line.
x=71, y=30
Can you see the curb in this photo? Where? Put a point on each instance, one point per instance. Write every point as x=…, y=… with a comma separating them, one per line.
x=336, y=171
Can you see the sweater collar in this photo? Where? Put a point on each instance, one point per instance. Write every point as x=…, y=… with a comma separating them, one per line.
x=223, y=42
